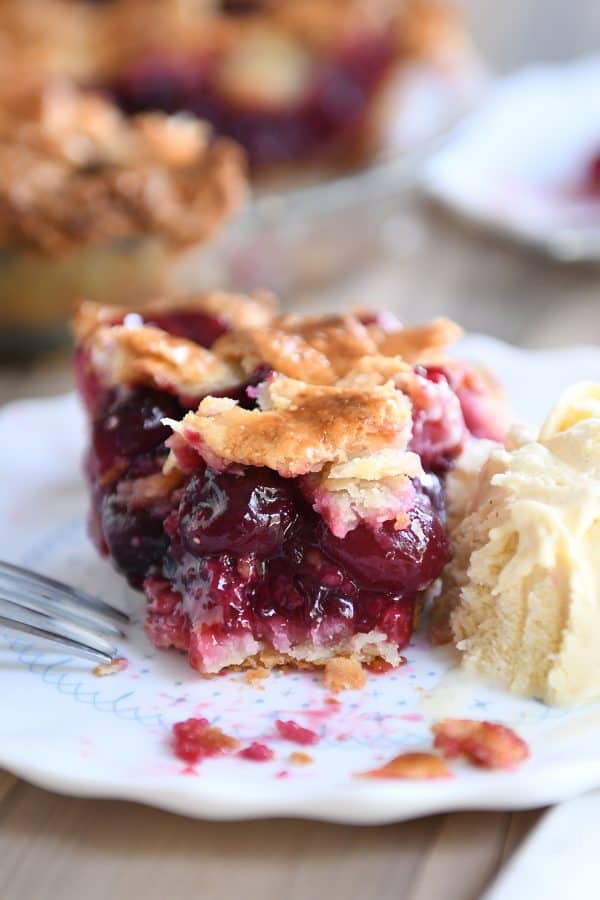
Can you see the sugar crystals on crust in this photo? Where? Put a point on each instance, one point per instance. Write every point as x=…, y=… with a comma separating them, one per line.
x=299, y=427
x=75, y=172
x=236, y=311
x=147, y=355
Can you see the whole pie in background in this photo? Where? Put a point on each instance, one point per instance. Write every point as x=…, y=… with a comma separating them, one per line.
x=295, y=82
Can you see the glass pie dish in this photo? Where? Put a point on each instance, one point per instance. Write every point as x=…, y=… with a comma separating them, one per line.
x=304, y=232
x=290, y=236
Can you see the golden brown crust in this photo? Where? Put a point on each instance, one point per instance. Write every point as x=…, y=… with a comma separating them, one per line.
x=74, y=172
x=88, y=317
x=342, y=339
x=323, y=349
x=147, y=355
x=312, y=658
x=254, y=310
x=414, y=27
x=267, y=59
x=344, y=673
x=148, y=491
x=411, y=765
x=300, y=427
x=373, y=370
x=421, y=344
x=286, y=353
x=41, y=38
x=60, y=30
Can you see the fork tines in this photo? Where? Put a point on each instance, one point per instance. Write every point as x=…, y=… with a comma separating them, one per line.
x=49, y=609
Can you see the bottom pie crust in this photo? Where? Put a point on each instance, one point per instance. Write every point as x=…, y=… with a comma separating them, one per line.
x=364, y=648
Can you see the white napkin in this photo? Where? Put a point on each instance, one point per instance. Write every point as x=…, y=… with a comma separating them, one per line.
x=518, y=163
x=560, y=860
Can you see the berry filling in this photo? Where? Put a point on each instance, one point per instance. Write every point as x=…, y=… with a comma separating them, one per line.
x=195, y=326
x=195, y=740
x=324, y=113
x=291, y=731
x=238, y=561
x=591, y=180
x=257, y=752
x=251, y=564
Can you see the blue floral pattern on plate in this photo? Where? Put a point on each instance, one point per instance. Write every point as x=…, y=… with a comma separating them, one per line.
x=67, y=729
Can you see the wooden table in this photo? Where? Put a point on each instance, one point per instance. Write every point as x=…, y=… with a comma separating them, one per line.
x=63, y=848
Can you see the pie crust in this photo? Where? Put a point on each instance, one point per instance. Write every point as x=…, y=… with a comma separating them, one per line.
x=75, y=172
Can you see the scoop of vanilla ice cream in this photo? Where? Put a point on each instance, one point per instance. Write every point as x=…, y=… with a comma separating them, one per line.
x=524, y=584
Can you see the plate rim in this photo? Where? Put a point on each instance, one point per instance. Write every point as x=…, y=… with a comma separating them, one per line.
x=347, y=803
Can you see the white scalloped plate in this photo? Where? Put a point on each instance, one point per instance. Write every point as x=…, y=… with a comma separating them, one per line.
x=67, y=730
x=516, y=164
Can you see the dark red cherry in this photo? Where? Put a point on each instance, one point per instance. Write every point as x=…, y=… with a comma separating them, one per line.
x=133, y=425
x=135, y=538
x=199, y=327
x=403, y=561
x=239, y=514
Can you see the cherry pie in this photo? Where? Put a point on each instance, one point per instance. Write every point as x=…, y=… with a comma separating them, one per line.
x=94, y=203
x=290, y=80
x=273, y=483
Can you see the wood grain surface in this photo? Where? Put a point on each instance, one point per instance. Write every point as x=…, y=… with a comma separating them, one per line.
x=69, y=849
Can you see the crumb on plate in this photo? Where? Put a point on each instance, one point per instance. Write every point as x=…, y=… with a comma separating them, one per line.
x=411, y=766
x=299, y=758
x=291, y=731
x=118, y=664
x=380, y=666
x=344, y=673
x=257, y=752
x=488, y=745
x=195, y=739
x=255, y=676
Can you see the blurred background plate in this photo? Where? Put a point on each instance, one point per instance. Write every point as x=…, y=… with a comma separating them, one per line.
x=526, y=164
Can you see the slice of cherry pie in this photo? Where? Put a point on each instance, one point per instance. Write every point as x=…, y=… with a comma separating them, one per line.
x=274, y=483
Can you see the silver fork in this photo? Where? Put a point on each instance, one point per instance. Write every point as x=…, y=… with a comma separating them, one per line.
x=48, y=609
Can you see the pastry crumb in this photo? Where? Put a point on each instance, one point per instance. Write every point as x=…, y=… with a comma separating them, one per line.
x=118, y=664
x=255, y=676
x=411, y=766
x=196, y=739
x=298, y=758
x=488, y=745
x=380, y=666
x=344, y=673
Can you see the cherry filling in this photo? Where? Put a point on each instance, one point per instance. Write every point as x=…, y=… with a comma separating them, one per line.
x=250, y=562
x=199, y=327
x=223, y=513
x=326, y=119
x=131, y=427
x=591, y=181
x=128, y=444
x=237, y=560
